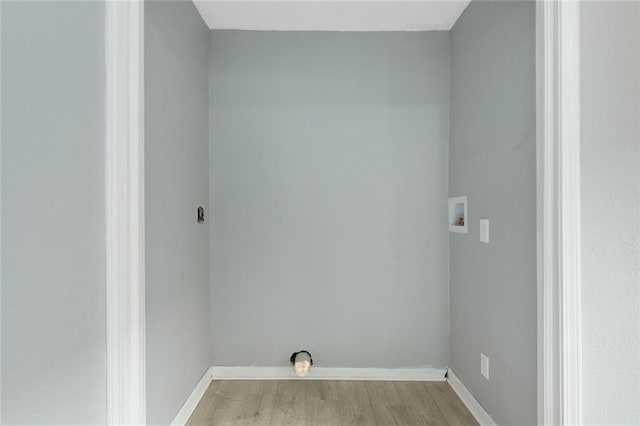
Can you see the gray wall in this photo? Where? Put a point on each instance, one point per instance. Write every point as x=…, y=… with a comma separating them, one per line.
x=53, y=222
x=492, y=161
x=329, y=186
x=610, y=100
x=177, y=181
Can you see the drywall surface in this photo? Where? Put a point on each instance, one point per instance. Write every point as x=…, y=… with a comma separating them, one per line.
x=177, y=181
x=53, y=220
x=610, y=168
x=329, y=198
x=492, y=162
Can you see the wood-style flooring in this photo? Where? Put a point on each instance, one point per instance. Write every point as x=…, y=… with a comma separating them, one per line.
x=320, y=402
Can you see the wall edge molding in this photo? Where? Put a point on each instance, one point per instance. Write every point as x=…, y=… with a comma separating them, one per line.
x=558, y=217
x=124, y=215
x=330, y=373
x=192, y=401
x=467, y=398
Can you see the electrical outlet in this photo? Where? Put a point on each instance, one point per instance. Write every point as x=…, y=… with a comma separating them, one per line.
x=484, y=365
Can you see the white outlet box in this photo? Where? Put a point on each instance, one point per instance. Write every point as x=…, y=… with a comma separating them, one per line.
x=484, y=231
x=458, y=217
x=484, y=366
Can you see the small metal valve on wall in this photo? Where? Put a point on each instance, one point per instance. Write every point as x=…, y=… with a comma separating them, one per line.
x=200, y=214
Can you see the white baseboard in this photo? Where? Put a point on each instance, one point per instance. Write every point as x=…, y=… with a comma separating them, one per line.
x=192, y=402
x=469, y=400
x=329, y=373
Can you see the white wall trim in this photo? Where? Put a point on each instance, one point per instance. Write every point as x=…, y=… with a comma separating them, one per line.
x=329, y=373
x=569, y=224
x=1, y=3
x=558, y=216
x=469, y=400
x=546, y=215
x=192, y=402
x=124, y=169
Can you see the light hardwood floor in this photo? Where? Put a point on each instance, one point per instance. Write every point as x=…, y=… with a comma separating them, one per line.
x=315, y=402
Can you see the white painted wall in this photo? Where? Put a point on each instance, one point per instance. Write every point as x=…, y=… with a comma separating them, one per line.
x=610, y=101
x=53, y=219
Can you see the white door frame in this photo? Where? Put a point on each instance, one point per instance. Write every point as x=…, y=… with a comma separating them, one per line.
x=124, y=173
x=558, y=212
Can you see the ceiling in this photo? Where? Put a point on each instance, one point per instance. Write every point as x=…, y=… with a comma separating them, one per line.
x=331, y=15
